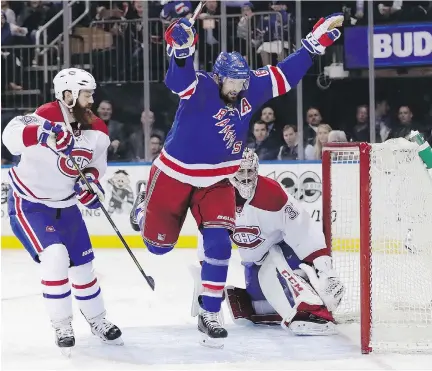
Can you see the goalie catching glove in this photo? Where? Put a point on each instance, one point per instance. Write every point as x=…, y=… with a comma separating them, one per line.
x=90, y=198
x=323, y=34
x=325, y=281
x=181, y=38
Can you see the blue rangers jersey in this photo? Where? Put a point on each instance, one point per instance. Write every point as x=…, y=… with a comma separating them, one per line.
x=206, y=141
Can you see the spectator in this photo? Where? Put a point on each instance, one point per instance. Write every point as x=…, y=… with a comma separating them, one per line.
x=315, y=152
x=244, y=31
x=360, y=131
x=137, y=138
x=273, y=28
x=268, y=116
x=382, y=119
x=11, y=72
x=176, y=9
x=313, y=119
x=263, y=146
x=9, y=13
x=337, y=136
x=289, y=150
x=155, y=146
x=209, y=33
x=118, y=149
x=389, y=10
x=32, y=16
x=405, y=124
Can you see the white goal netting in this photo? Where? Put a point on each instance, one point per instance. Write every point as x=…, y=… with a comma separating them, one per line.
x=399, y=204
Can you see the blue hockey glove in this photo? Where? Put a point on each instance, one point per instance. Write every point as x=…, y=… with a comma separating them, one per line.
x=181, y=38
x=323, y=34
x=56, y=137
x=90, y=198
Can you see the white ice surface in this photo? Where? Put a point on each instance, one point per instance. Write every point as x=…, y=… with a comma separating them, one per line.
x=158, y=331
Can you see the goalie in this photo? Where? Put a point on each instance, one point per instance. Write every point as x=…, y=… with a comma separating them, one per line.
x=288, y=270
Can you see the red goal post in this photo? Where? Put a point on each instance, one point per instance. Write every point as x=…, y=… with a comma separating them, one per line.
x=380, y=194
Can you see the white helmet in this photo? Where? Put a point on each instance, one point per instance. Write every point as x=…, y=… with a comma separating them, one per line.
x=246, y=178
x=74, y=80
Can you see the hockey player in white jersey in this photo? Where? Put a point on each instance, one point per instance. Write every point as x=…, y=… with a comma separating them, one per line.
x=42, y=202
x=288, y=269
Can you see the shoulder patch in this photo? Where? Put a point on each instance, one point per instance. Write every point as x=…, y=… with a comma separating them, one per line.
x=261, y=72
x=29, y=119
x=269, y=195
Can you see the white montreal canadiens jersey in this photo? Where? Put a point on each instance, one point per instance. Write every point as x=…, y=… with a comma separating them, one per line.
x=272, y=216
x=42, y=176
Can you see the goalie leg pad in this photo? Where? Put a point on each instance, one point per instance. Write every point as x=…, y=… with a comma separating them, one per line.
x=239, y=304
x=242, y=310
x=253, y=286
x=310, y=324
x=273, y=291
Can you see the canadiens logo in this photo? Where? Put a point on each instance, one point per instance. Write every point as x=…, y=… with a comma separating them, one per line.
x=82, y=156
x=247, y=237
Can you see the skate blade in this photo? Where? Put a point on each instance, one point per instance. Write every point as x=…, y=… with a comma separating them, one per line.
x=66, y=352
x=217, y=343
x=118, y=341
x=301, y=328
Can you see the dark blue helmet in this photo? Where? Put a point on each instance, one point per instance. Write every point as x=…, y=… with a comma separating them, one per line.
x=231, y=65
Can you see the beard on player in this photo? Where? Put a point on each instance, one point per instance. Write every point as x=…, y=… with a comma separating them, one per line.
x=83, y=115
x=230, y=97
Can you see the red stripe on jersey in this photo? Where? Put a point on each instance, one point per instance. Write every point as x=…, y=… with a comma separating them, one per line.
x=188, y=93
x=55, y=283
x=86, y=286
x=24, y=224
x=198, y=172
x=29, y=136
x=279, y=80
x=213, y=287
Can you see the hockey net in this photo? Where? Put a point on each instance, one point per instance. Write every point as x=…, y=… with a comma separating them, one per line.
x=377, y=208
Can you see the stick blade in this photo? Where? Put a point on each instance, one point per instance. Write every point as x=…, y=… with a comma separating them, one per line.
x=150, y=281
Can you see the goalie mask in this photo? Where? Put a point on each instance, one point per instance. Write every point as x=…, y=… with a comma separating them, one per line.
x=246, y=178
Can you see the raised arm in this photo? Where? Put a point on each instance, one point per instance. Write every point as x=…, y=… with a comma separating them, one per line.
x=272, y=81
x=181, y=38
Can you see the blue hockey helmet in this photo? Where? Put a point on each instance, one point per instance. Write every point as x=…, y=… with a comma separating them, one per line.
x=232, y=66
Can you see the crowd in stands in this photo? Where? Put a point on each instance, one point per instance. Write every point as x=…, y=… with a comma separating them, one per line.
x=261, y=30
x=397, y=123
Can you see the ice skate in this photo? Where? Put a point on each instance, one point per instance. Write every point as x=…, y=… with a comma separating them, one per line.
x=213, y=334
x=64, y=336
x=105, y=330
x=137, y=207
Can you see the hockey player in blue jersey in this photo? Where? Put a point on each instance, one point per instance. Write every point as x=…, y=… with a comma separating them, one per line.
x=204, y=149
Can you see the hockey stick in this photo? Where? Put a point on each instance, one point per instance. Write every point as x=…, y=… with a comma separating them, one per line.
x=149, y=279
x=197, y=12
